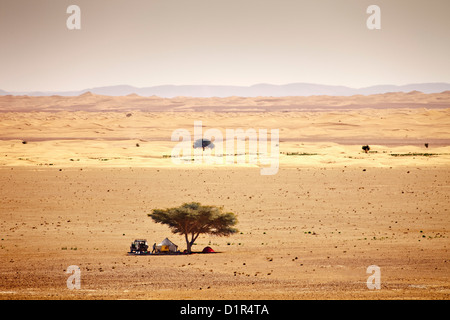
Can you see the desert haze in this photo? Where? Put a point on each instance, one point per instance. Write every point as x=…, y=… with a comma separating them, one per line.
x=80, y=174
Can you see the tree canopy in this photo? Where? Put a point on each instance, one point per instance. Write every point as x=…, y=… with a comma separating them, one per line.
x=193, y=219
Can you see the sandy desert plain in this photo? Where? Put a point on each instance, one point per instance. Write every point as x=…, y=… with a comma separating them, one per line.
x=92, y=168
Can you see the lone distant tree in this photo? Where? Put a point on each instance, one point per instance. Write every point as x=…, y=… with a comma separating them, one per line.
x=203, y=143
x=366, y=148
x=193, y=219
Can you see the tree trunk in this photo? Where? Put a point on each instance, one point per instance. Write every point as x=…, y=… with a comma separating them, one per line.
x=188, y=244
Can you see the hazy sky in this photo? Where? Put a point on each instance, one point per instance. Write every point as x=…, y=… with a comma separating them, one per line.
x=227, y=42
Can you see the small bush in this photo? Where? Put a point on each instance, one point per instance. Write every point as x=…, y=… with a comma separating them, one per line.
x=366, y=148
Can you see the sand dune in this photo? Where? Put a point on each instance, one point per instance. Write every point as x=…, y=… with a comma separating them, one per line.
x=61, y=136
x=93, y=102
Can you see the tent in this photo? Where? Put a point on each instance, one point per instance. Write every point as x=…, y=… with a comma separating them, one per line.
x=166, y=246
x=208, y=250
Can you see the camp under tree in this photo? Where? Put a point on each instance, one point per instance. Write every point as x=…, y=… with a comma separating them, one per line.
x=193, y=219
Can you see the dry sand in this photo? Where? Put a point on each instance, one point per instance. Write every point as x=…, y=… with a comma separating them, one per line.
x=78, y=192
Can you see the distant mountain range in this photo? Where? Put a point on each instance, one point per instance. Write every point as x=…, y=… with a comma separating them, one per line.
x=267, y=90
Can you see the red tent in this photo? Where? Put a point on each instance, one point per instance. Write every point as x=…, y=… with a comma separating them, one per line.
x=208, y=250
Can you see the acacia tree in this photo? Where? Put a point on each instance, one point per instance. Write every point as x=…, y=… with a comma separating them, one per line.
x=203, y=143
x=193, y=219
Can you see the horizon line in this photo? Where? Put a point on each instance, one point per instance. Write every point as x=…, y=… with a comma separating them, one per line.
x=87, y=89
